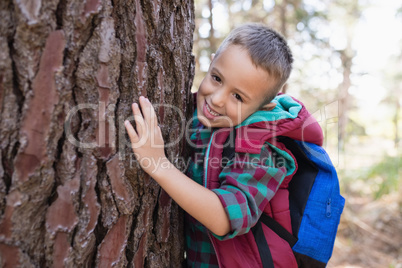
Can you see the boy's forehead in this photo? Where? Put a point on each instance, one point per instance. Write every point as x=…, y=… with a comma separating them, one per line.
x=230, y=52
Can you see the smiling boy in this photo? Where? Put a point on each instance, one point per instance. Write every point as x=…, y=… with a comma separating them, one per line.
x=225, y=203
x=233, y=89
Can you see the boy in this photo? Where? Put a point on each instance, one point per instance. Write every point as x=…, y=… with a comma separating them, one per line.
x=224, y=203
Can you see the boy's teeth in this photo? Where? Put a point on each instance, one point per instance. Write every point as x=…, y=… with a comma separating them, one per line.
x=212, y=112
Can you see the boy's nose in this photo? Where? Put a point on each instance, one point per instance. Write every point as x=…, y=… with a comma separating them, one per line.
x=218, y=98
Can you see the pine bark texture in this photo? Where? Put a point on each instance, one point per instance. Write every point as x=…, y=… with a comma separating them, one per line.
x=71, y=194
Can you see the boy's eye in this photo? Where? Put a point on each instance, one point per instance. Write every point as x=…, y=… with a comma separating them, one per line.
x=216, y=78
x=237, y=96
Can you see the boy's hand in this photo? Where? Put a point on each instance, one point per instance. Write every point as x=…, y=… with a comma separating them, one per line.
x=146, y=140
x=148, y=147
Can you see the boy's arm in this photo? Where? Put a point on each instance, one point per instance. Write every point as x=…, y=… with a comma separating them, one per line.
x=198, y=201
x=148, y=147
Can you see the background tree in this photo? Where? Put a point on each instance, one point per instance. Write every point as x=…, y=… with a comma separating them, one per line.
x=70, y=191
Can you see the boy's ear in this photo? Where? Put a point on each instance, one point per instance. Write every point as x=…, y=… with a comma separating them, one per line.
x=268, y=107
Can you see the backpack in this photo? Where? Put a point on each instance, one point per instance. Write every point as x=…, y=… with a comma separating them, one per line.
x=315, y=206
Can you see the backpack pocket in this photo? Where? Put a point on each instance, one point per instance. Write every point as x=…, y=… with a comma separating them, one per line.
x=322, y=212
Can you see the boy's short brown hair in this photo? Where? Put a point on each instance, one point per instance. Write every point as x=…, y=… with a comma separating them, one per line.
x=267, y=49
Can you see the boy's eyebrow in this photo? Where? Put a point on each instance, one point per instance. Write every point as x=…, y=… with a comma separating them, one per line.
x=239, y=90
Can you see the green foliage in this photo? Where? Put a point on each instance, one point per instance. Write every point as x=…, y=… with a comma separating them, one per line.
x=386, y=175
x=373, y=181
x=355, y=128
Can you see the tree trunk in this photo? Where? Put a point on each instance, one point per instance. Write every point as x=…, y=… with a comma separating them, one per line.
x=282, y=12
x=211, y=38
x=344, y=96
x=71, y=193
x=396, y=119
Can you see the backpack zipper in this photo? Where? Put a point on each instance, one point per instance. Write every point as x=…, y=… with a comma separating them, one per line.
x=328, y=212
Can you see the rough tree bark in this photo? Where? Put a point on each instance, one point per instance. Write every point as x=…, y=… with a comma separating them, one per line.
x=71, y=193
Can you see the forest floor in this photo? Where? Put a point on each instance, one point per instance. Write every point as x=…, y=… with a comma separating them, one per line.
x=369, y=234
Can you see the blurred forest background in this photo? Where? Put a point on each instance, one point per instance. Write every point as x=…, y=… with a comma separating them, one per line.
x=348, y=72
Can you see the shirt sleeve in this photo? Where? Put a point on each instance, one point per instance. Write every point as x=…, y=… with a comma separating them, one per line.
x=248, y=183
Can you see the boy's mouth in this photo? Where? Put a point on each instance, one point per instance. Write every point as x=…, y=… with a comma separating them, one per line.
x=209, y=112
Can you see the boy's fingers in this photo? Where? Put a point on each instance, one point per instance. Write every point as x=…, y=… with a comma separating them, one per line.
x=154, y=119
x=139, y=120
x=131, y=132
x=149, y=113
x=136, y=110
x=145, y=107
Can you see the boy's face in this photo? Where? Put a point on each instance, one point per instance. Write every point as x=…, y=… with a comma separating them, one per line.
x=233, y=89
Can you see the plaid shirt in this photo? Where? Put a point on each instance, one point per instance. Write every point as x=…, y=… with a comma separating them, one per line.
x=247, y=184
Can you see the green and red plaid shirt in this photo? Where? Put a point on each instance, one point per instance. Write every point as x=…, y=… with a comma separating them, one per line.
x=247, y=184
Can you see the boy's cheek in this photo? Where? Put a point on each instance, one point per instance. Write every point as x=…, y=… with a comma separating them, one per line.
x=205, y=87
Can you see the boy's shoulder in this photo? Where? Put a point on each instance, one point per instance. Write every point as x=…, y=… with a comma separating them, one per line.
x=289, y=118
